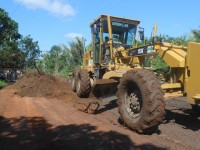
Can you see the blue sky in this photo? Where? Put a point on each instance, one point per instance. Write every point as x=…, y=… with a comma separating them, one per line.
x=53, y=22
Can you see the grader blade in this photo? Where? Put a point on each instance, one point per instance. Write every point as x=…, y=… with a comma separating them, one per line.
x=105, y=89
x=108, y=98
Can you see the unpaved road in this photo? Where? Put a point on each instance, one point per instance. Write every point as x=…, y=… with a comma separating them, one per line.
x=37, y=123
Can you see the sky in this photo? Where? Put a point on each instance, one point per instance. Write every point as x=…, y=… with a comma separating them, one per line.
x=54, y=22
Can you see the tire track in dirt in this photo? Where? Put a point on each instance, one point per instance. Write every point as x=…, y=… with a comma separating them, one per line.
x=55, y=122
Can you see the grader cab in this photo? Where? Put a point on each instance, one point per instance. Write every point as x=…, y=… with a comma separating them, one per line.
x=113, y=69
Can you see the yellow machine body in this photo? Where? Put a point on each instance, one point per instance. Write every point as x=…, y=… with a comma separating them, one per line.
x=192, y=77
x=184, y=62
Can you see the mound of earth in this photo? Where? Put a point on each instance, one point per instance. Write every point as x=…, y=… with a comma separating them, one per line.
x=34, y=84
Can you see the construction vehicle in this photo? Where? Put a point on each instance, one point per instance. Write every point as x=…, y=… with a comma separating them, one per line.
x=116, y=60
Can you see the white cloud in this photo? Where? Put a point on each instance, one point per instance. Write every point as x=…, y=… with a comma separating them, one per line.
x=73, y=35
x=55, y=7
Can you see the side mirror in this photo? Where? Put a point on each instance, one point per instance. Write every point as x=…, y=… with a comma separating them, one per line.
x=141, y=33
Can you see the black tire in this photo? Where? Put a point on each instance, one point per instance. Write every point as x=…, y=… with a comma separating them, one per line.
x=83, y=86
x=73, y=81
x=196, y=108
x=141, y=101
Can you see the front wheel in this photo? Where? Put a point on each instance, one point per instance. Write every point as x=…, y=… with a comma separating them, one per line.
x=196, y=108
x=141, y=101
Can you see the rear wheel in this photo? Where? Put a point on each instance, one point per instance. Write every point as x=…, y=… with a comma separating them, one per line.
x=83, y=86
x=140, y=100
x=73, y=81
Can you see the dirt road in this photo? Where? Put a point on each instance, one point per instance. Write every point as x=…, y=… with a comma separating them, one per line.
x=57, y=123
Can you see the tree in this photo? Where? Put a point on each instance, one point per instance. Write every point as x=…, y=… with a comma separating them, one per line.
x=15, y=50
x=31, y=50
x=67, y=59
x=55, y=54
x=159, y=63
x=57, y=61
x=77, y=50
x=61, y=60
x=182, y=40
x=11, y=55
x=47, y=64
x=195, y=35
x=8, y=28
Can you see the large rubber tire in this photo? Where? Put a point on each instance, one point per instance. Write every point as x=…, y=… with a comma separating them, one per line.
x=141, y=101
x=196, y=108
x=83, y=86
x=73, y=81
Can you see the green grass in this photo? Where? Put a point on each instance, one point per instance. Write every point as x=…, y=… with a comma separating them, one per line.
x=3, y=84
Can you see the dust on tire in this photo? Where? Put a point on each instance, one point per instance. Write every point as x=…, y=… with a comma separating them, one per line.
x=152, y=105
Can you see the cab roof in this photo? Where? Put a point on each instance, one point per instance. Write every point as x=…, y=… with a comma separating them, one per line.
x=114, y=18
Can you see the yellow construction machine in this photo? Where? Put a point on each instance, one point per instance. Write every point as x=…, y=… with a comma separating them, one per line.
x=116, y=60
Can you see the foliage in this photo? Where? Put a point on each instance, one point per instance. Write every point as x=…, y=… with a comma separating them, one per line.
x=142, y=43
x=19, y=54
x=61, y=60
x=54, y=60
x=30, y=49
x=3, y=83
x=159, y=63
x=57, y=61
x=195, y=35
x=15, y=51
x=8, y=28
x=77, y=48
x=182, y=40
x=11, y=55
x=24, y=52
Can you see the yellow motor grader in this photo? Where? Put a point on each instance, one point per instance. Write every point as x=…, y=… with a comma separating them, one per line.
x=113, y=69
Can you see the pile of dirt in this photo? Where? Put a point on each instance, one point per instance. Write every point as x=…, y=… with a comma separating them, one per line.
x=34, y=84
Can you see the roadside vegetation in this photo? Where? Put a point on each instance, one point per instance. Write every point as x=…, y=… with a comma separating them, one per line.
x=2, y=84
x=21, y=51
